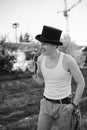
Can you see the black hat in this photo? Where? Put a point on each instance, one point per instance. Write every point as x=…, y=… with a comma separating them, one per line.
x=50, y=35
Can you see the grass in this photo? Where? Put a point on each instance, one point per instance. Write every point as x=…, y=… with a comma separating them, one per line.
x=19, y=104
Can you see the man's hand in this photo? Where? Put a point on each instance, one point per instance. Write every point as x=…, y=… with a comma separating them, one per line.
x=68, y=107
x=38, y=80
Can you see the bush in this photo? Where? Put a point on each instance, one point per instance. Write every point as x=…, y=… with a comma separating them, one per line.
x=6, y=63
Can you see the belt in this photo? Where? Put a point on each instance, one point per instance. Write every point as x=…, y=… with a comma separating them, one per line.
x=66, y=100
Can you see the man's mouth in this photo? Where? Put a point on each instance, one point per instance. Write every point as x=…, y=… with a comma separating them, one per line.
x=43, y=50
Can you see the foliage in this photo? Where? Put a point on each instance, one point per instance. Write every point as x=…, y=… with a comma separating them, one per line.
x=6, y=63
x=25, y=38
x=85, y=54
x=2, y=40
x=68, y=45
x=21, y=38
x=29, y=55
x=72, y=49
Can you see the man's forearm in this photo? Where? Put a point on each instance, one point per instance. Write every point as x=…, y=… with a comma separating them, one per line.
x=78, y=93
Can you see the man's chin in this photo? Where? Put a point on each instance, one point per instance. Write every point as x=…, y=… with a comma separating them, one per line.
x=45, y=54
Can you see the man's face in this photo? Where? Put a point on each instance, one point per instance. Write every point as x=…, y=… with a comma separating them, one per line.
x=47, y=48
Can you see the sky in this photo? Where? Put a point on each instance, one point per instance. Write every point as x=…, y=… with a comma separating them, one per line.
x=31, y=15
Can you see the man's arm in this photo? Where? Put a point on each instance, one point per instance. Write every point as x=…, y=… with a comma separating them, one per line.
x=39, y=77
x=78, y=77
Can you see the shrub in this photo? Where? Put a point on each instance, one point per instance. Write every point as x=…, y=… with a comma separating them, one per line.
x=6, y=63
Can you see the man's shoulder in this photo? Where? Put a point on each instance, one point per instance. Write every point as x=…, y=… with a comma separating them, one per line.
x=69, y=60
x=40, y=58
x=68, y=57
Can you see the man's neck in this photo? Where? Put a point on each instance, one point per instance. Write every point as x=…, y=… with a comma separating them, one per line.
x=55, y=54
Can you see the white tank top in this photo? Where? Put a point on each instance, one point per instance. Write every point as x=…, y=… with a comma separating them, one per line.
x=57, y=80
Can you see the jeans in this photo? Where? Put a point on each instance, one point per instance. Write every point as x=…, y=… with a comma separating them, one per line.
x=51, y=113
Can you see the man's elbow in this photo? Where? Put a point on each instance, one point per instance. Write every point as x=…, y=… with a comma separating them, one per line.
x=39, y=75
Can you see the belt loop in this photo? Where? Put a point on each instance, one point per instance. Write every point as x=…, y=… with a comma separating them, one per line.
x=60, y=101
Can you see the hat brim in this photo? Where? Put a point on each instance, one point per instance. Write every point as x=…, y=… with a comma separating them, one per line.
x=43, y=39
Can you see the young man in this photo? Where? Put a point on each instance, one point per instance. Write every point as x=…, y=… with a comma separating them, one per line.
x=56, y=69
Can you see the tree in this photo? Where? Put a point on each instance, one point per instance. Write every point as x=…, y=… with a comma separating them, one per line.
x=2, y=40
x=71, y=48
x=21, y=39
x=2, y=45
x=68, y=45
x=27, y=37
